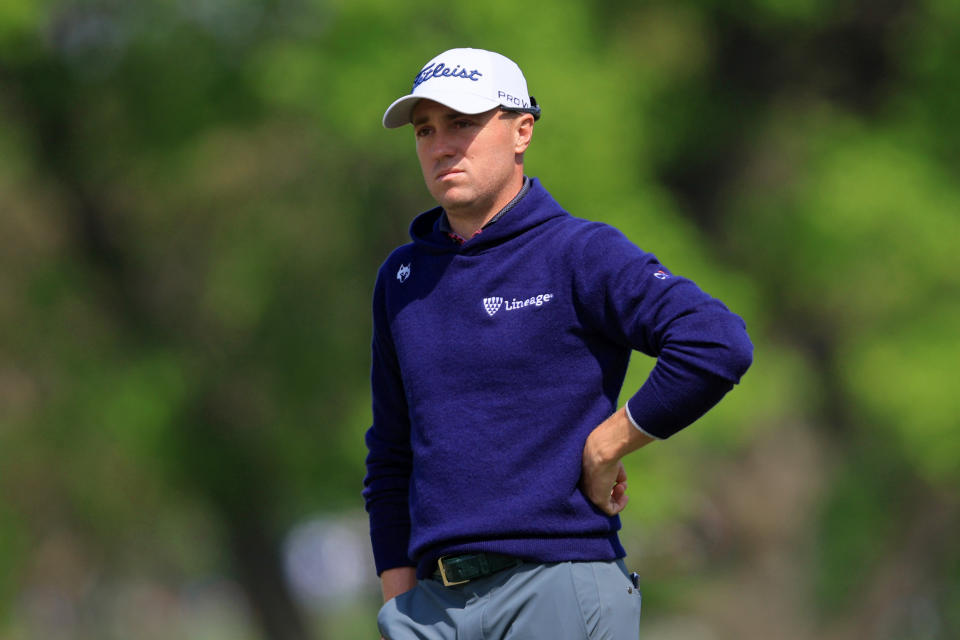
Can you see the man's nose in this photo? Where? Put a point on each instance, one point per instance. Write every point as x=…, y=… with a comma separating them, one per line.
x=444, y=145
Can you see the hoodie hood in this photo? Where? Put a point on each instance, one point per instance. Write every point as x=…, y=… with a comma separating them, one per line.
x=534, y=209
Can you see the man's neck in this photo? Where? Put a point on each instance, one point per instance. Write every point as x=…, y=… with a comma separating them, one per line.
x=465, y=222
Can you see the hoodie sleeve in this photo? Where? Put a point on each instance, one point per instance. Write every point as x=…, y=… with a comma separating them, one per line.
x=702, y=348
x=389, y=458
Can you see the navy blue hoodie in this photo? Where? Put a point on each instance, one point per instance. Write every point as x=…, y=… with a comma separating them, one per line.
x=494, y=359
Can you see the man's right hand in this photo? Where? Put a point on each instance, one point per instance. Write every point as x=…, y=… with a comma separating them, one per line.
x=393, y=582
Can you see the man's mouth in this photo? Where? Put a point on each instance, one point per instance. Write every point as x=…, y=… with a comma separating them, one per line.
x=448, y=172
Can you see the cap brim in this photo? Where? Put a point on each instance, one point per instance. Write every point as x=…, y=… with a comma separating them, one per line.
x=401, y=111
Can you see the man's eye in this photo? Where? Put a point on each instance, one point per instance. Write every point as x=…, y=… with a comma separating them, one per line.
x=421, y=132
x=462, y=124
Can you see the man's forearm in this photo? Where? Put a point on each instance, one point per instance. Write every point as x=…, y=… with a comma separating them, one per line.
x=393, y=582
x=614, y=438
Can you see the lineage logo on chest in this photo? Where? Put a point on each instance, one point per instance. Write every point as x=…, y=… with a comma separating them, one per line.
x=494, y=303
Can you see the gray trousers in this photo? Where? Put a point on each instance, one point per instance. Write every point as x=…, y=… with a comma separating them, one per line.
x=532, y=601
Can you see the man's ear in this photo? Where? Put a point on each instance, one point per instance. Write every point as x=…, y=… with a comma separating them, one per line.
x=523, y=132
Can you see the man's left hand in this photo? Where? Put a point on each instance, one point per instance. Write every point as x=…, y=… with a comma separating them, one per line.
x=605, y=486
x=603, y=478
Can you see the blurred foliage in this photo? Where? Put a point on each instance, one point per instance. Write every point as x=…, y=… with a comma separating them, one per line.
x=196, y=197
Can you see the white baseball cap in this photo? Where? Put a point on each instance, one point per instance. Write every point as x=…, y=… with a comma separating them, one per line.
x=468, y=81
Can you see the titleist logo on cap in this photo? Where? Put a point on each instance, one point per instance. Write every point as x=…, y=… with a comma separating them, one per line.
x=434, y=70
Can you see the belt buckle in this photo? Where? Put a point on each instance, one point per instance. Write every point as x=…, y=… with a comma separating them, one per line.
x=443, y=575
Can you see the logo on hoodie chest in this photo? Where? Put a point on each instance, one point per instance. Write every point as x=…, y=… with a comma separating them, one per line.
x=493, y=304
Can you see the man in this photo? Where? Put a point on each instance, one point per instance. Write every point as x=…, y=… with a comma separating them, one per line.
x=501, y=339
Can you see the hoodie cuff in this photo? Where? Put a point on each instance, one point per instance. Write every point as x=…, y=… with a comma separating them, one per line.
x=637, y=425
x=390, y=547
x=644, y=408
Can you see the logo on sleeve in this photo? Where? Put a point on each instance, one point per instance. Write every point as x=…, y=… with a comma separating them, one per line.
x=661, y=275
x=403, y=273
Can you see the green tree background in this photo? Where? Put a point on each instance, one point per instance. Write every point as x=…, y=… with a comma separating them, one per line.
x=194, y=200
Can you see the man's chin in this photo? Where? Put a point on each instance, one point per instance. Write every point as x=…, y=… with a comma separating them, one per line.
x=453, y=199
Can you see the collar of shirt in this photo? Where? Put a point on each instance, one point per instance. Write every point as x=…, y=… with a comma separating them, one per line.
x=447, y=229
